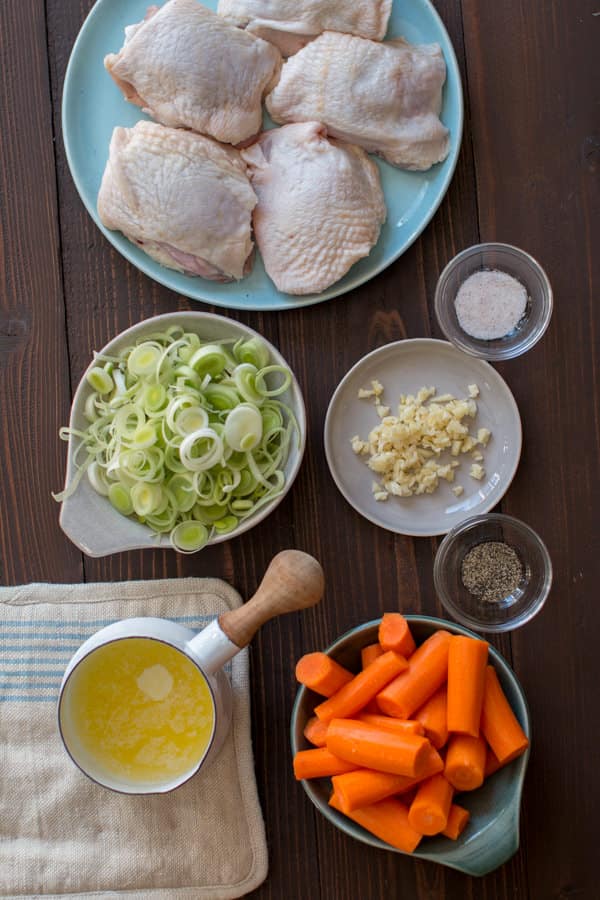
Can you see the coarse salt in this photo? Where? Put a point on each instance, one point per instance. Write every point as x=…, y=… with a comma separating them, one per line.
x=489, y=304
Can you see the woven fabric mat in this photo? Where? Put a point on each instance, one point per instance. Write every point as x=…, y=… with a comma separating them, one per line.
x=62, y=834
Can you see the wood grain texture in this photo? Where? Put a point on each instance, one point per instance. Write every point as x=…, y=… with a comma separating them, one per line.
x=34, y=370
x=528, y=173
x=536, y=140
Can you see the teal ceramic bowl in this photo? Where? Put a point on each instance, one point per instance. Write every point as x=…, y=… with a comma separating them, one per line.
x=492, y=835
x=93, y=105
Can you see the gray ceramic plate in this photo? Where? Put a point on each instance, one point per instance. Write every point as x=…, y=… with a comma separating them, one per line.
x=89, y=519
x=404, y=367
x=492, y=835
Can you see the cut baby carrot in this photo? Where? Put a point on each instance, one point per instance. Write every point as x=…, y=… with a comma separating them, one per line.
x=374, y=748
x=432, y=765
x=352, y=697
x=389, y=723
x=465, y=762
x=315, y=732
x=499, y=724
x=321, y=673
x=394, y=634
x=427, y=671
x=370, y=653
x=365, y=786
x=467, y=659
x=432, y=716
x=458, y=818
x=387, y=820
x=319, y=763
x=429, y=811
x=491, y=763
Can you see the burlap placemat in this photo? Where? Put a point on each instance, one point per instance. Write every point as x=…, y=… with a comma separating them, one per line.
x=62, y=834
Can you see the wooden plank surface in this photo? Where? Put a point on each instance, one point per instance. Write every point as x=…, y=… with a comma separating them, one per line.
x=528, y=175
x=34, y=370
x=536, y=141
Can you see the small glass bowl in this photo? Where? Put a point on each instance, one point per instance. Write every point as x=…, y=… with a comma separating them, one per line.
x=516, y=608
x=514, y=262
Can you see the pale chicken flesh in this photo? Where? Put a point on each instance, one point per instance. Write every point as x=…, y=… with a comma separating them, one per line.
x=187, y=67
x=291, y=24
x=320, y=206
x=181, y=197
x=385, y=97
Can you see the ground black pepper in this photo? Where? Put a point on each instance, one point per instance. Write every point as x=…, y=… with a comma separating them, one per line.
x=491, y=571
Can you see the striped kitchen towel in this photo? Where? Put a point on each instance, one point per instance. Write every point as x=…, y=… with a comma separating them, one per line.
x=62, y=834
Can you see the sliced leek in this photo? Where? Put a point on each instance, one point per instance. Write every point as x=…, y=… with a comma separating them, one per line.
x=188, y=437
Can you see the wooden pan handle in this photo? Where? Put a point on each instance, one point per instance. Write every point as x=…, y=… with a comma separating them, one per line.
x=294, y=580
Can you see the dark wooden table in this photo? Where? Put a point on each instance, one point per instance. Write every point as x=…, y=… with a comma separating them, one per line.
x=528, y=174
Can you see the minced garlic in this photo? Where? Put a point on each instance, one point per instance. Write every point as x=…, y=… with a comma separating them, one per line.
x=405, y=450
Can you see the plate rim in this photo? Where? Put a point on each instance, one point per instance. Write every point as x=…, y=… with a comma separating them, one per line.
x=327, y=439
x=281, y=301
x=162, y=542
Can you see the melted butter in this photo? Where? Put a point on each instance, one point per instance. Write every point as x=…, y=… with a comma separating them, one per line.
x=141, y=710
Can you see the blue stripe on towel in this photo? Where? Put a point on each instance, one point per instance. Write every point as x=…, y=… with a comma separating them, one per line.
x=90, y=623
x=32, y=674
x=27, y=644
x=30, y=645
x=25, y=698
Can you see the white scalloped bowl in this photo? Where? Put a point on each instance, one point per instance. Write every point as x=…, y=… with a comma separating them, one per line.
x=88, y=518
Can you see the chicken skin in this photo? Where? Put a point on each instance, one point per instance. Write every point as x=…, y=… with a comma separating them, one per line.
x=189, y=68
x=320, y=206
x=385, y=97
x=291, y=24
x=181, y=197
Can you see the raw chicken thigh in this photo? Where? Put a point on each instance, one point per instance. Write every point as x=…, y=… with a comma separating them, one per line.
x=384, y=97
x=187, y=67
x=320, y=206
x=291, y=24
x=181, y=197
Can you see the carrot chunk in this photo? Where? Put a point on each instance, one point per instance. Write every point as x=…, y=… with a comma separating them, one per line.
x=319, y=763
x=374, y=748
x=352, y=697
x=365, y=786
x=433, y=717
x=467, y=659
x=427, y=671
x=321, y=673
x=315, y=732
x=428, y=812
x=458, y=818
x=387, y=820
x=499, y=723
x=465, y=762
x=394, y=634
x=491, y=763
x=389, y=723
x=370, y=653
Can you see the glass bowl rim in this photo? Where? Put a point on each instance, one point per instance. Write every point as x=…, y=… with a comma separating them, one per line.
x=458, y=614
x=511, y=349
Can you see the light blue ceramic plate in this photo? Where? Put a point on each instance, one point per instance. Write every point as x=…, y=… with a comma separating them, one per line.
x=492, y=835
x=93, y=106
